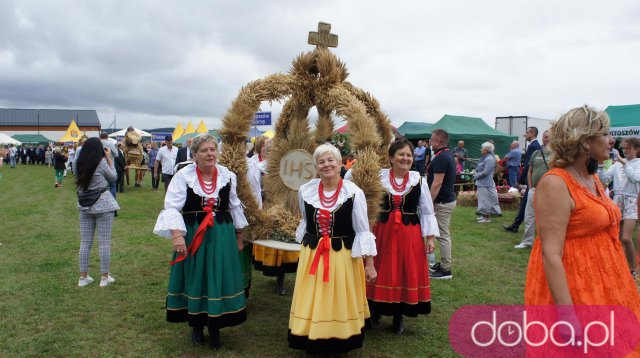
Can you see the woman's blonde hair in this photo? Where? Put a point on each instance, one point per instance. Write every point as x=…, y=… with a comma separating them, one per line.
x=568, y=134
x=202, y=138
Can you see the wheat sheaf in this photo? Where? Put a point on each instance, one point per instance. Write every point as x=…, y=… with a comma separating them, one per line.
x=316, y=78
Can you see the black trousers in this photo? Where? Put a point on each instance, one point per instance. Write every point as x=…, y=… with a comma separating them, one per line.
x=166, y=179
x=420, y=166
x=523, y=205
x=155, y=180
x=120, y=182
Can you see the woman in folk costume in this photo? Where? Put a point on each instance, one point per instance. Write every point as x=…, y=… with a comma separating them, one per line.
x=272, y=262
x=329, y=304
x=404, y=233
x=203, y=216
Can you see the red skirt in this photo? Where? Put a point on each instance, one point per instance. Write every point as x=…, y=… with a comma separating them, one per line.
x=403, y=285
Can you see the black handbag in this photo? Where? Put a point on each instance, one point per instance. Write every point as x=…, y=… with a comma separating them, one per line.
x=89, y=197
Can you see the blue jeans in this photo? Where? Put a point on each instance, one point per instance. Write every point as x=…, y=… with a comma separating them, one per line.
x=513, y=176
x=112, y=188
x=12, y=161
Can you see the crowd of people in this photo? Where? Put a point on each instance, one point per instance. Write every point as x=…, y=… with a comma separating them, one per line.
x=384, y=270
x=26, y=154
x=60, y=157
x=350, y=275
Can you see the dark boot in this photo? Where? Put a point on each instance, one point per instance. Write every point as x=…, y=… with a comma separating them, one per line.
x=510, y=228
x=280, y=285
x=398, y=324
x=214, y=339
x=376, y=319
x=197, y=335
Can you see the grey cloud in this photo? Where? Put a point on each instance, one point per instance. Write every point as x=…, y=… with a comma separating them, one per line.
x=162, y=62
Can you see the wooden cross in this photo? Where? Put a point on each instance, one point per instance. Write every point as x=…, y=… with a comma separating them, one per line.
x=323, y=38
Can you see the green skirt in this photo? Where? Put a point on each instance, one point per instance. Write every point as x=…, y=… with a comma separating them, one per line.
x=208, y=288
x=246, y=261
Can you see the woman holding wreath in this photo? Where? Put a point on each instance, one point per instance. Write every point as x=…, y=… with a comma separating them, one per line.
x=203, y=216
x=329, y=305
x=405, y=232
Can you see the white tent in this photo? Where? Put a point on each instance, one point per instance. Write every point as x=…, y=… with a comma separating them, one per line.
x=5, y=139
x=121, y=133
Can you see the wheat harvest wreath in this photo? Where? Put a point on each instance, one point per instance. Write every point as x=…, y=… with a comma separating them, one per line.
x=316, y=78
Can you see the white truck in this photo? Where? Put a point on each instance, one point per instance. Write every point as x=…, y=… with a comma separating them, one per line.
x=517, y=125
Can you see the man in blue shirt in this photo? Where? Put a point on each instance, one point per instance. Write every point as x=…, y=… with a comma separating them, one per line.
x=530, y=136
x=513, y=164
x=420, y=156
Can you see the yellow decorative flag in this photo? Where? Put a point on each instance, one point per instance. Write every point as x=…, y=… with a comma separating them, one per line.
x=72, y=134
x=202, y=128
x=178, y=132
x=189, y=129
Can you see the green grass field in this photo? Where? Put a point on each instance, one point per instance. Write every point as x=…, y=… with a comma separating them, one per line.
x=44, y=314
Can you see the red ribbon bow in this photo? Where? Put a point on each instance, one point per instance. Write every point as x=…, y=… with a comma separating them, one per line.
x=397, y=202
x=207, y=222
x=324, y=246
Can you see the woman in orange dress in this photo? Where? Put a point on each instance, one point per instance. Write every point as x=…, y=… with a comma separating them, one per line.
x=577, y=259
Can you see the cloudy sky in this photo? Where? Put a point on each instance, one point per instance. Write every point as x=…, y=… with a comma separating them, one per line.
x=157, y=63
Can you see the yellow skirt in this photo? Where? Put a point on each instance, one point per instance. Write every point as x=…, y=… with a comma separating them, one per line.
x=328, y=317
x=273, y=262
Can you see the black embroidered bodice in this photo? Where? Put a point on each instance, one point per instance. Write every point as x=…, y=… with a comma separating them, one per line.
x=193, y=212
x=341, y=232
x=408, y=206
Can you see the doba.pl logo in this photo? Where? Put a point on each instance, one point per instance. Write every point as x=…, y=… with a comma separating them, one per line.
x=549, y=331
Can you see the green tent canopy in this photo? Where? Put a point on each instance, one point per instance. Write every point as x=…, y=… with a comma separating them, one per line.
x=473, y=131
x=625, y=120
x=32, y=139
x=184, y=138
x=415, y=130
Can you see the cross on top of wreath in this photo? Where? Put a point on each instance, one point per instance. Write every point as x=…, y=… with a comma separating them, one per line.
x=323, y=38
x=316, y=79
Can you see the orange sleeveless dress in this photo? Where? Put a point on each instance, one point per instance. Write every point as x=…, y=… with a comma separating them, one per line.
x=596, y=268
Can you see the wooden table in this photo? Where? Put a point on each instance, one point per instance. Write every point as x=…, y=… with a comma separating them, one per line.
x=461, y=183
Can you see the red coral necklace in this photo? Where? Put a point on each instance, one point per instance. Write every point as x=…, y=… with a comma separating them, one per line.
x=329, y=201
x=208, y=189
x=398, y=187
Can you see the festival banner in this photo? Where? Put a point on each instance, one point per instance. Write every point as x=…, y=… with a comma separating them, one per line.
x=159, y=136
x=624, y=132
x=262, y=119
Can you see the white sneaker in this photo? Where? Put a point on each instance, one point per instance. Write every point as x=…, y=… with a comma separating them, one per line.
x=106, y=281
x=522, y=246
x=84, y=281
x=483, y=220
